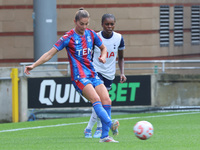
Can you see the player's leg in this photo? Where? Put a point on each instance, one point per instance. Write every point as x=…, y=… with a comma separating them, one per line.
x=106, y=102
x=99, y=125
x=98, y=131
x=84, y=86
x=90, y=94
x=108, y=84
x=92, y=121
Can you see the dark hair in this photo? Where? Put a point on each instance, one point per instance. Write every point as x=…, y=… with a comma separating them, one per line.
x=81, y=13
x=105, y=16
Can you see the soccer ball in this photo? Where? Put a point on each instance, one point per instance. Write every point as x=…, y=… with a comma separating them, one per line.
x=143, y=130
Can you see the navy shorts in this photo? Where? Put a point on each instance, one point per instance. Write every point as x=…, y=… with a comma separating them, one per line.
x=107, y=83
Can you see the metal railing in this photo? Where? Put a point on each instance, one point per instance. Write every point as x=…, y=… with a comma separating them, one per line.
x=54, y=69
x=158, y=65
x=163, y=63
x=155, y=65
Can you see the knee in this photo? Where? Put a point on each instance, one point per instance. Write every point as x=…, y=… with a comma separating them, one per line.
x=95, y=99
x=106, y=101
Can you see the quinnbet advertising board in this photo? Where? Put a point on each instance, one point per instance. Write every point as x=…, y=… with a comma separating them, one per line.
x=60, y=92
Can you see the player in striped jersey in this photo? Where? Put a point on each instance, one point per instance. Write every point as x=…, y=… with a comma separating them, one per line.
x=79, y=43
x=114, y=43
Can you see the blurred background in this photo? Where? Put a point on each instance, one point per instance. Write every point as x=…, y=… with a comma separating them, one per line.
x=162, y=41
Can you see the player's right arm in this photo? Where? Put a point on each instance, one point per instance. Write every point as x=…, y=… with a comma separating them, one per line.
x=44, y=58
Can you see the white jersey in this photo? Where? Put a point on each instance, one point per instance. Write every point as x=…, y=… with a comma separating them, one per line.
x=112, y=44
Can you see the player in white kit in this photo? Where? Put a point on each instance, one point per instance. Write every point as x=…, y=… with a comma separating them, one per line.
x=114, y=43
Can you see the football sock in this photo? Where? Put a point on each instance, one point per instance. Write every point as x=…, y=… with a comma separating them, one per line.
x=103, y=115
x=108, y=110
x=92, y=121
x=99, y=125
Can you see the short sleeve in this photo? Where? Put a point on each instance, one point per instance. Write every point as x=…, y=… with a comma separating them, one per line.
x=97, y=39
x=122, y=45
x=61, y=43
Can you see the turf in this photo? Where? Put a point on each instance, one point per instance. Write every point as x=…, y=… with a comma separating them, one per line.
x=172, y=131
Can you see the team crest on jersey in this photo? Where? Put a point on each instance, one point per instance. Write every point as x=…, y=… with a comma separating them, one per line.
x=89, y=39
x=76, y=41
x=114, y=46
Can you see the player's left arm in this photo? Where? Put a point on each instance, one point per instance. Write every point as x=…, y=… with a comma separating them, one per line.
x=121, y=60
x=121, y=65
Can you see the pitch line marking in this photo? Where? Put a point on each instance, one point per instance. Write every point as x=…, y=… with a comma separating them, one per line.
x=59, y=125
x=169, y=115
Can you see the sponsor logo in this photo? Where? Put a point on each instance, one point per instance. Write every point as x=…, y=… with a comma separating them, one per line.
x=119, y=92
x=54, y=91
x=84, y=51
x=60, y=92
x=111, y=54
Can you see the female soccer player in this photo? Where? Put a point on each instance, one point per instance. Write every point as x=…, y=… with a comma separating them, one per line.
x=79, y=43
x=114, y=43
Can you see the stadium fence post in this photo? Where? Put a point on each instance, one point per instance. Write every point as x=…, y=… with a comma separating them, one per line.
x=15, y=101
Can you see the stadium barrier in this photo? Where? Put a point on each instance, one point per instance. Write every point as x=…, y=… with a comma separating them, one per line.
x=164, y=90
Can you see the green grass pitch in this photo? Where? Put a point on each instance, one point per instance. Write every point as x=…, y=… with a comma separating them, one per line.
x=172, y=131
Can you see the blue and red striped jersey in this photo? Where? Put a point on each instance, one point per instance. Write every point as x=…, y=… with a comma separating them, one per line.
x=79, y=50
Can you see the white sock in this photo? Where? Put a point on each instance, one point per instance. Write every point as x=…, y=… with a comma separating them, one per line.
x=93, y=120
x=99, y=125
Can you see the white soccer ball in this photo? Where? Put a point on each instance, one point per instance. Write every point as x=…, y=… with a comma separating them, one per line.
x=143, y=130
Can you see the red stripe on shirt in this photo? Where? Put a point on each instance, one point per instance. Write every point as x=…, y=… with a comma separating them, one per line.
x=85, y=57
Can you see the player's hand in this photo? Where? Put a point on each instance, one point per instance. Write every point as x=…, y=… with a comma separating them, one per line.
x=102, y=59
x=122, y=78
x=27, y=69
